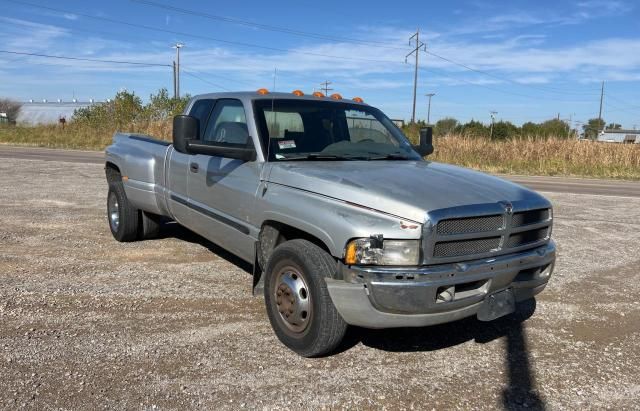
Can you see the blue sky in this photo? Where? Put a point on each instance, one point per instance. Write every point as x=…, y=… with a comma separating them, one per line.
x=532, y=60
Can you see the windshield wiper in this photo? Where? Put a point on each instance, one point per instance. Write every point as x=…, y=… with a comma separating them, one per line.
x=320, y=157
x=394, y=156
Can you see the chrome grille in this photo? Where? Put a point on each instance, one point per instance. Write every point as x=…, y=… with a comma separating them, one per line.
x=484, y=230
x=466, y=247
x=529, y=217
x=470, y=225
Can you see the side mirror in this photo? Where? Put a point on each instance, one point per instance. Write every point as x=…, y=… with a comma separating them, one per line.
x=426, y=142
x=238, y=152
x=185, y=129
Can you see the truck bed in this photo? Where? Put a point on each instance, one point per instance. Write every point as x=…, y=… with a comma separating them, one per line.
x=142, y=160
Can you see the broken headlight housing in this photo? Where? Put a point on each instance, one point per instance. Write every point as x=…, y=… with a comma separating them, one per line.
x=377, y=251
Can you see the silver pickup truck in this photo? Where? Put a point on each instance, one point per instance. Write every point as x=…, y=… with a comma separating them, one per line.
x=342, y=219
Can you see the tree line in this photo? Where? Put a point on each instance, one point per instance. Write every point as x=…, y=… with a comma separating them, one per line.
x=505, y=130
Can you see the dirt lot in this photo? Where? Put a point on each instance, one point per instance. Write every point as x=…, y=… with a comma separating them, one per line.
x=86, y=322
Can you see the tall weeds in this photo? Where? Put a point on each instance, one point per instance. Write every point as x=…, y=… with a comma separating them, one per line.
x=553, y=156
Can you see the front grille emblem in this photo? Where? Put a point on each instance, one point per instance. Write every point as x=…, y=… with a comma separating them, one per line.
x=508, y=208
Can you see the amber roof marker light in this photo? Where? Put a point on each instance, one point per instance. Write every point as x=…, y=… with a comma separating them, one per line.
x=262, y=91
x=298, y=93
x=358, y=100
x=336, y=96
x=318, y=94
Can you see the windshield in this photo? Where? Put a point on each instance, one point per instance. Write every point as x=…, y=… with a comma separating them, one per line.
x=325, y=131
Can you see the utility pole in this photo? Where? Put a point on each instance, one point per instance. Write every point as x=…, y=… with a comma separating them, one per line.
x=325, y=87
x=493, y=119
x=176, y=71
x=175, y=85
x=429, y=107
x=415, y=51
x=600, y=114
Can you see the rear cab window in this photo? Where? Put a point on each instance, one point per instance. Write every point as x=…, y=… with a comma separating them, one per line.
x=201, y=110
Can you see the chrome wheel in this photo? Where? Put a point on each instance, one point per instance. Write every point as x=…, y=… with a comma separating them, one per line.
x=293, y=299
x=114, y=211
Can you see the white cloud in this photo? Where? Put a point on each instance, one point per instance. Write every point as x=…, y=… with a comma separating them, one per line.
x=24, y=35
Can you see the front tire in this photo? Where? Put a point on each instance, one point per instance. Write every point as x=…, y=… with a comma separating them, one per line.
x=122, y=216
x=297, y=299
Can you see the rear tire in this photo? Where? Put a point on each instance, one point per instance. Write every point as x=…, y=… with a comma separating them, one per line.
x=122, y=217
x=297, y=299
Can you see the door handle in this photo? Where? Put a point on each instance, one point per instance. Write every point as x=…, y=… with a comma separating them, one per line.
x=194, y=167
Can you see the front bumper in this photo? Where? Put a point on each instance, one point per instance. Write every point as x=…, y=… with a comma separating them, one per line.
x=387, y=297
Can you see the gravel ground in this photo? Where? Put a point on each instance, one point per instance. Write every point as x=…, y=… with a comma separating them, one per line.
x=86, y=322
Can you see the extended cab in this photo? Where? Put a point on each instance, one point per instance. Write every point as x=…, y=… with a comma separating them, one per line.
x=342, y=219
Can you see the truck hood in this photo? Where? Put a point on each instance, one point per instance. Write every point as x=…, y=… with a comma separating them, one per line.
x=407, y=189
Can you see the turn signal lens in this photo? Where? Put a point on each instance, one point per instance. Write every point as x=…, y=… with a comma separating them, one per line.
x=358, y=100
x=298, y=93
x=350, y=256
x=262, y=91
x=336, y=96
x=318, y=94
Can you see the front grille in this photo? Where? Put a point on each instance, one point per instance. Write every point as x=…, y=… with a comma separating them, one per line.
x=467, y=236
x=470, y=225
x=527, y=237
x=529, y=217
x=465, y=247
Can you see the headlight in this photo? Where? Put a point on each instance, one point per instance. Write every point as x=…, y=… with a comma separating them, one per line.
x=373, y=251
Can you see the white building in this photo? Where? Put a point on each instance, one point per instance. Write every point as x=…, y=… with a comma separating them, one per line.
x=48, y=112
x=620, y=136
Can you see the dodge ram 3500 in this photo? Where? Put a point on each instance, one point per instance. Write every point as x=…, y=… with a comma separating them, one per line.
x=343, y=220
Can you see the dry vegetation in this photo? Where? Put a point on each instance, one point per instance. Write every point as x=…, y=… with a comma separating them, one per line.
x=77, y=136
x=518, y=156
x=552, y=156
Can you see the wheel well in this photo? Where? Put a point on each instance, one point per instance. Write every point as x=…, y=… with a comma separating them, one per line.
x=274, y=233
x=113, y=172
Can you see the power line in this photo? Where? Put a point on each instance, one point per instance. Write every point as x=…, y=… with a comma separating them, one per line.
x=344, y=39
x=268, y=27
x=192, y=74
x=486, y=73
x=623, y=102
x=136, y=63
x=184, y=34
x=242, y=44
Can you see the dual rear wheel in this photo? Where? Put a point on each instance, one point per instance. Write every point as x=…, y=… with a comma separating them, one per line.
x=296, y=296
x=126, y=222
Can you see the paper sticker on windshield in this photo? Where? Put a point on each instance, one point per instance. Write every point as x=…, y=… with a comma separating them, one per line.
x=286, y=144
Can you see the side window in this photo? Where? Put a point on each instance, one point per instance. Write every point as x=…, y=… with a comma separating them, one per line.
x=201, y=110
x=228, y=123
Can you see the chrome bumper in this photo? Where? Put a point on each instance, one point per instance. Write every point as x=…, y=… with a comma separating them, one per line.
x=385, y=297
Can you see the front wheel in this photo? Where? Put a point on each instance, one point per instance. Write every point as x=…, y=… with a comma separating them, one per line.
x=297, y=300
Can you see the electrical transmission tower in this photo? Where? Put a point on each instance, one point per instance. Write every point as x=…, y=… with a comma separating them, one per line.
x=415, y=51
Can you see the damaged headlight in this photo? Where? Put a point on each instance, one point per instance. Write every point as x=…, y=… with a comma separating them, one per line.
x=377, y=251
